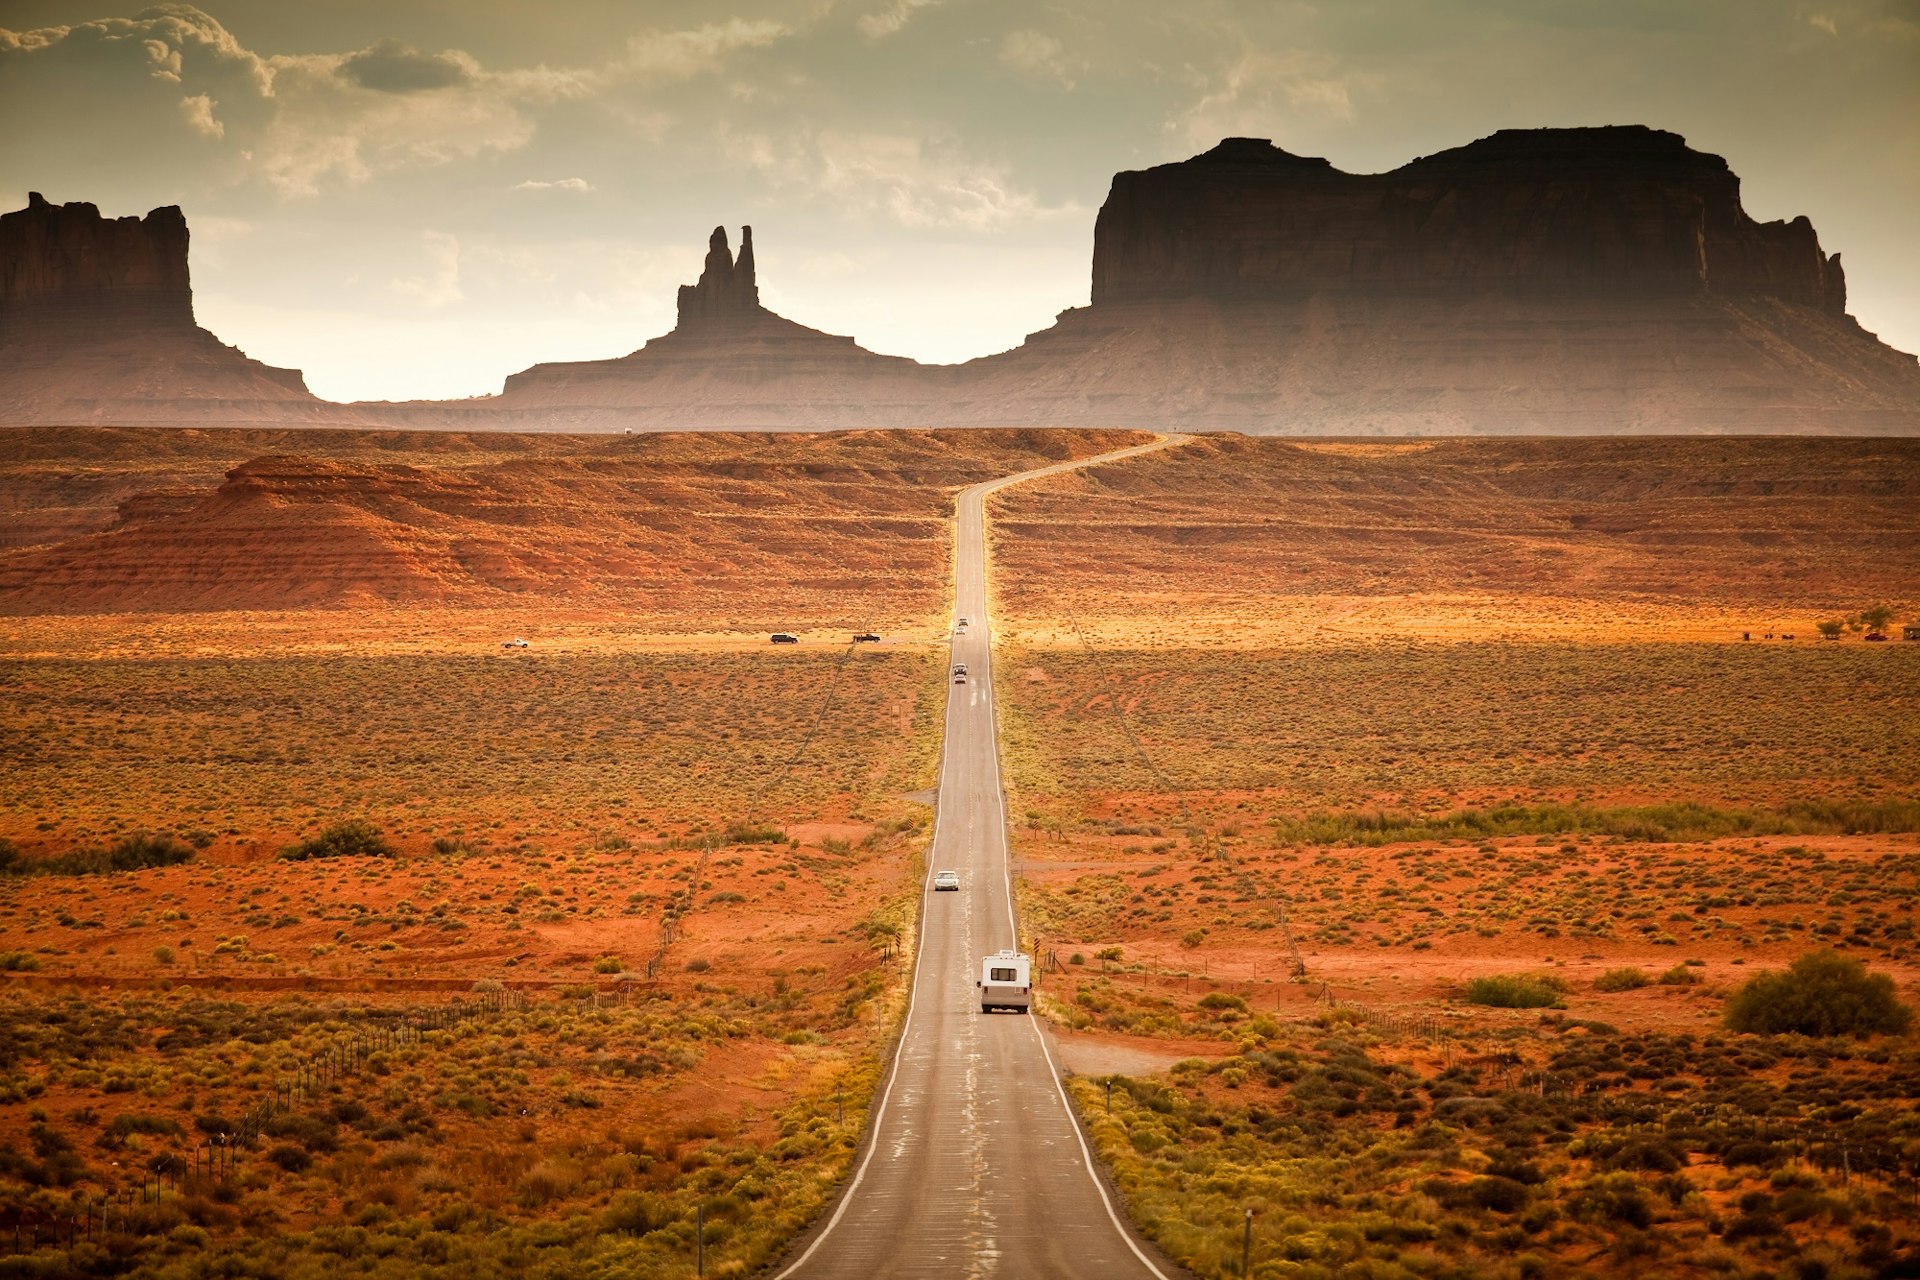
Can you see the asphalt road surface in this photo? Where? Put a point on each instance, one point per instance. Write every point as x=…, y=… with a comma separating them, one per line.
x=973, y=1165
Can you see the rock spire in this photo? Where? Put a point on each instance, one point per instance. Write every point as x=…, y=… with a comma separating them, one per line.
x=727, y=289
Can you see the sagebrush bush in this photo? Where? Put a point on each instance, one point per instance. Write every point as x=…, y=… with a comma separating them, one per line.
x=1820, y=994
x=1516, y=991
x=1627, y=979
x=134, y=853
x=355, y=837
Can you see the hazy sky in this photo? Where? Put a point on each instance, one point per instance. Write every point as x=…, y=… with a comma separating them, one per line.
x=417, y=197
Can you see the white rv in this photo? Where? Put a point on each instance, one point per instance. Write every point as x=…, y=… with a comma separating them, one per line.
x=1006, y=982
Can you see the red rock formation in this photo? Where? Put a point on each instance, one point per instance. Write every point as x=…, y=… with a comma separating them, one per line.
x=727, y=290
x=96, y=325
x=1625, y=212
x=66, y=273
x=729, y=362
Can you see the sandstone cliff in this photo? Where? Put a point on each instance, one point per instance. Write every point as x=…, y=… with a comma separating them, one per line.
x=1625, y=212
x=97, y=325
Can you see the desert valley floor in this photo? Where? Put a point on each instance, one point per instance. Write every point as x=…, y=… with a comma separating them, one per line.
x=1393, y=823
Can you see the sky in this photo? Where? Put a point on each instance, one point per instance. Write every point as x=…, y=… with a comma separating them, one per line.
x=415, y=198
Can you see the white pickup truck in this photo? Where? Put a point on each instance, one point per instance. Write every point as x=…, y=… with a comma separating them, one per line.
x=1006, y=982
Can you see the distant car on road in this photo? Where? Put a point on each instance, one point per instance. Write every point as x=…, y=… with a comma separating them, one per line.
x=783, y=637
x=946, y=882
x=963, y=622
x=959, y=677
x=515, y=643
x=866, y=637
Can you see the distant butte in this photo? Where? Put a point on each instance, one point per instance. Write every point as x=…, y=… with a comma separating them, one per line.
x=97, y=325
x=729, y=361
x=1538, y=281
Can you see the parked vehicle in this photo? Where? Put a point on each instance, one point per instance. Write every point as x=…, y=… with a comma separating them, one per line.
x=866, y=637
x=783, y=637
x=1006, y=982
x=946, y=882
x=515, y=643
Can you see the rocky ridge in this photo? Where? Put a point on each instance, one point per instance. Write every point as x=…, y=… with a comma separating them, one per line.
x=1547, y=281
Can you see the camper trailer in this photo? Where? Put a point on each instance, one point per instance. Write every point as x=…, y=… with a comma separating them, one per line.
x=1006, y=982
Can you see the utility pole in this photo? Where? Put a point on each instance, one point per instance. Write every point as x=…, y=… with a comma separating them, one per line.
x=1246, y=1247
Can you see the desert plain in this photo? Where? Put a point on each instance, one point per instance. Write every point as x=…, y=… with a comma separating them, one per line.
x=1393, y=821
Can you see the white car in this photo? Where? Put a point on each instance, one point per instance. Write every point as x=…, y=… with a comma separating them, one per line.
x=946, y=882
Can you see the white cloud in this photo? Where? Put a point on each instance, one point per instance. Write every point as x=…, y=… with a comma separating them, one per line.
x=1260, y=94
x=558, y=184
x=440, y=285
x=1040, y=54
x=301, y=123
x=888, y=21
x=916, y=182
x=199, y=112
x=681, y=54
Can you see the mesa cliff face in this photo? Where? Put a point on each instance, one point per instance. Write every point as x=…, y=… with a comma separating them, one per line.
x=1610, y=213
x=1550, y=281
x=97, y=325
x=68, y=274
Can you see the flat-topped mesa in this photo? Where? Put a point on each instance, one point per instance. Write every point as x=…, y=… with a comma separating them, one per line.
x=67, y=274
x=727, y=289
x=1622, y=211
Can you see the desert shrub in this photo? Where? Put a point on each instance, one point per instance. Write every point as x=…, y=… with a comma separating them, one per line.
x=608, y=964
x=1516, y=991
x=1664, y=823
x=1612, y=1197
x=1820, y=994
x=1502, y=1195
x=1221, y=1000
x=355, y=837
x=747, y=833
x=291, y=1158
x=17, y=962
x=134, y=853
x=132, y=1122
x=1627, y=979
x=698, y=965
x=1679, y=976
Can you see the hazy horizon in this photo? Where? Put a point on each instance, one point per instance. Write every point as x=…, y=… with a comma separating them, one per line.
x=415, y=200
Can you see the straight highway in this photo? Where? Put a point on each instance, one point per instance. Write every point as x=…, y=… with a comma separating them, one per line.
x=973, y=1165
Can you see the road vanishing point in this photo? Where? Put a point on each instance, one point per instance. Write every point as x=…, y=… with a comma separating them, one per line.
x=973, y=1164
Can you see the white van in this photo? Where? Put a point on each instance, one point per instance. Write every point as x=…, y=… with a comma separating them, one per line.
x=1006, y=982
